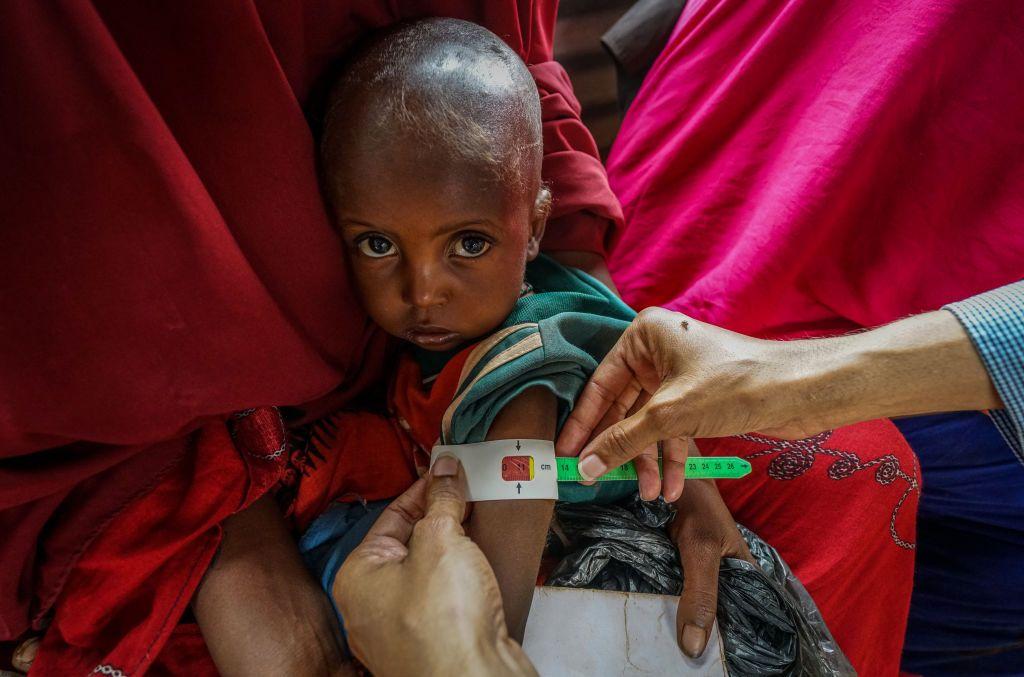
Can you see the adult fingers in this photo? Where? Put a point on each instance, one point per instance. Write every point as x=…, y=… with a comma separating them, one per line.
x=446, y=493
x=646, y=463
x=673, y=462
x=647, y=475
x=699, y=601
x=607, y=383
x=630, y=400
x=622, y=442
x=399, y=518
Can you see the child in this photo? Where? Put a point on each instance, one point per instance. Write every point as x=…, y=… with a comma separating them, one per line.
x=432, y=164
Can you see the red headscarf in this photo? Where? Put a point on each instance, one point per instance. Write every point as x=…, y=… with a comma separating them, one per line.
x=165, y=252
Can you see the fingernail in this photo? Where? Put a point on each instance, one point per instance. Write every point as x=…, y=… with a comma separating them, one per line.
x=693, y=641
x=592, y=467
x=25, y=654
x=446, y=466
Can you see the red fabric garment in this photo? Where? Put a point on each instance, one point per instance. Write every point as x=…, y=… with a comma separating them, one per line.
x=365, y=456
x=122, y=599
x=166, y=256
x=841, y=509
x=816, y=167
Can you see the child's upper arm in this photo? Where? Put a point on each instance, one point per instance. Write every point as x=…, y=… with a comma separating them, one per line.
x=532, y=414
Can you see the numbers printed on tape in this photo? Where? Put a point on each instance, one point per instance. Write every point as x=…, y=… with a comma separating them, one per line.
x=517, y=468
x=520, y=468
x=723, y=467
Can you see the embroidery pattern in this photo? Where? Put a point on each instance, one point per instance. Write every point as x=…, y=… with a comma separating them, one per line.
x=259, y=432
x=108, y=670
x=795, y=457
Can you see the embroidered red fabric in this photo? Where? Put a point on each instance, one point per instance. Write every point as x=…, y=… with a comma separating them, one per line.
x=841, y=509
x=363, y=456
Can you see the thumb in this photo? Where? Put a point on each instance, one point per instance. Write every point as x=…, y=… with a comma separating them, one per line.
x=622, y=441
x=446, y=498
x=699, y=601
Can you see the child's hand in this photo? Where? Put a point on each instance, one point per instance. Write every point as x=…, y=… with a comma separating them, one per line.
x=705, y=532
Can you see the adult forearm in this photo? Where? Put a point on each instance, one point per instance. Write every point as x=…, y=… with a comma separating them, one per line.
x=705, y=381
x=918, y=365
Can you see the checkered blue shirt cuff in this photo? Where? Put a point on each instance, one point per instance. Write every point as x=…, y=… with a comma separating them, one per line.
x=995, y=322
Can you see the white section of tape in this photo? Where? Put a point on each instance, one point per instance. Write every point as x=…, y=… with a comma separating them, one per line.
x=482, y=463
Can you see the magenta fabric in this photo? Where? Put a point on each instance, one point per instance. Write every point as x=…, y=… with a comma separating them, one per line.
x=816, y=167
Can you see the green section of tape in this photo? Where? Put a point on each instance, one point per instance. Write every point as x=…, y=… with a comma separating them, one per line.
x=715, y=467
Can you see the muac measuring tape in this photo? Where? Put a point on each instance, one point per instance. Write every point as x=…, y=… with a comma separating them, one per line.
x=511, y=469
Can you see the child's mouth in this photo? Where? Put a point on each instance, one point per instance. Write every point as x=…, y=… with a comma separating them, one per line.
x=429, y=336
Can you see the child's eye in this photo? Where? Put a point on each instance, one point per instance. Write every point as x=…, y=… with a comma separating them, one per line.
x=471, y=246
x=376, y=246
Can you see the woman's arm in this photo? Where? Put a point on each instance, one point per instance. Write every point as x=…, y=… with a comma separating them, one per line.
x=512, y=533
x=260, y=611
x=705, y=381
x=919, y=365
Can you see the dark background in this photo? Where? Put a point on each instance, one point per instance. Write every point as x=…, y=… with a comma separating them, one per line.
x=578, y=48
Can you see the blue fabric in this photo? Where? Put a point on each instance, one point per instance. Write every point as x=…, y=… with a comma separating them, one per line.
x=995, y=322
x=967, y=608
x=332, y=537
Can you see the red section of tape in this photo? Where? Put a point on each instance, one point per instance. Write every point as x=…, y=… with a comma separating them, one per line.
x=516, y=469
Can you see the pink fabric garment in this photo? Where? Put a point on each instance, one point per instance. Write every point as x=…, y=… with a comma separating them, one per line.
x=812, y=167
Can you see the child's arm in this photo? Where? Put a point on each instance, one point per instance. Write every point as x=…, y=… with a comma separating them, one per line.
x=512, y=533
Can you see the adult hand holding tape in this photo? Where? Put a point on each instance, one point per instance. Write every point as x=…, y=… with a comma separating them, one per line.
x=418, y=596
x=670, y=376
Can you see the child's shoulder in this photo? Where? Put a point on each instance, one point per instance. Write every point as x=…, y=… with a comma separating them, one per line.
x=554, y=337
x=554, y=289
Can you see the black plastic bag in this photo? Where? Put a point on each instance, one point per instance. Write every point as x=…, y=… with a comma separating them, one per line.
x=768, y=622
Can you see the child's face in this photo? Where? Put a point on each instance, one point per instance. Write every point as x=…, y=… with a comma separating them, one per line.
x=438, y=248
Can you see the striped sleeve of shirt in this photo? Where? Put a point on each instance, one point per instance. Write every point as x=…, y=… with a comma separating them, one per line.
x=995, y=322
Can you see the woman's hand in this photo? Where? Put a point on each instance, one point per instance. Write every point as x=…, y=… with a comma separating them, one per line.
x=705, y=532
x=418, y=596
x=670, y=376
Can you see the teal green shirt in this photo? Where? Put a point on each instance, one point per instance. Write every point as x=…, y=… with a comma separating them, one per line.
x=554, y=338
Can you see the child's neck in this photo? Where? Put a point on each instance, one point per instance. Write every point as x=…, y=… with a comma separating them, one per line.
x=433, y=361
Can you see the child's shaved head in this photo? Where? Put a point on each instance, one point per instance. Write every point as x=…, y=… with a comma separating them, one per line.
x=448, y=85
x=432, y=159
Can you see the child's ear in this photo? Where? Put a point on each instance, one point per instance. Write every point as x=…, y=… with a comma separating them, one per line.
x=538, y=219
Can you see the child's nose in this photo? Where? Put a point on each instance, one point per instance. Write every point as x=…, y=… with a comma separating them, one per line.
x=425, y=287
